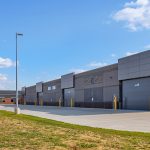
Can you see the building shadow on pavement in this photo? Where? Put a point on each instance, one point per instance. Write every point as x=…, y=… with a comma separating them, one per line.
x=75, y=111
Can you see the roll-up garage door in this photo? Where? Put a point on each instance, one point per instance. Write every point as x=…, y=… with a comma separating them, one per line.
x=136, y=94
x=93, y=94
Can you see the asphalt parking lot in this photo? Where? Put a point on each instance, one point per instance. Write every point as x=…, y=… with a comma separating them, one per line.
x=102, y=118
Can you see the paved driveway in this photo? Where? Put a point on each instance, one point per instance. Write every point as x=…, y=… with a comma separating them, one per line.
x=102, y=118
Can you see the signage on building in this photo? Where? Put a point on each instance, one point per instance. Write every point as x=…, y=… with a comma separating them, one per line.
x=137, y=85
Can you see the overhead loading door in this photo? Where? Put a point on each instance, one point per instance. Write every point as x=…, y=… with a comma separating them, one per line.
x=136, y=94
x=93, y=95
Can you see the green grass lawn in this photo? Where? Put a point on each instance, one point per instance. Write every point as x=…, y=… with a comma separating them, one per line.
x=27, y=132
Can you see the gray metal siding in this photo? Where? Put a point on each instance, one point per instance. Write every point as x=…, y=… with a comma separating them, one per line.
x=79, y=95
x=110, y=78
x=136, y=94
x=134, y=66
x=109, y=92
x=31, y=94
x=105, y=78
x=39, y=87
x=52, y=95
x=67, y=81
x=8, y=93
x=23, y=90
x=95, y=83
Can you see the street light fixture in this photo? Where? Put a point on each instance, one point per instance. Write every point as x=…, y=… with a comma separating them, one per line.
x=17, y=109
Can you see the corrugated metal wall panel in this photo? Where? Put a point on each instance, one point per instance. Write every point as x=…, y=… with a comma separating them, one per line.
x=67, y=81
x=134, y=66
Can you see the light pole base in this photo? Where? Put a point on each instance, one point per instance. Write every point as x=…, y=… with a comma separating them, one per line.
x=17, y=110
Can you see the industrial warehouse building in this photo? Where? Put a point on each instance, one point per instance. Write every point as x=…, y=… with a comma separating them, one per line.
x=128, y=80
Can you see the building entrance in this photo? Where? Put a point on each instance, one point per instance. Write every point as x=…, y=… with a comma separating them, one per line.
x=69, y=97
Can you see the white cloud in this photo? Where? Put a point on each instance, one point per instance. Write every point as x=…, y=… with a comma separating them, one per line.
x=6, y=62
x=136, y=14
x=3, y=80
x=91, y=65
x=130, y=53
x=5, y=83
x=137, y=3
x=3, y=77
x=97, y=64
x=77, y=70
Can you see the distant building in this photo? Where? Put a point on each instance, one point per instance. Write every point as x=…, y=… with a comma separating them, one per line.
x=8, y=96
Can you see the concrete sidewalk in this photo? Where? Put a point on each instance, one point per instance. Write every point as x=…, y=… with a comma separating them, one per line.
x=94, y=117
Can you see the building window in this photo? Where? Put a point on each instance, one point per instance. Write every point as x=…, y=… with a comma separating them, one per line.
x=49, y=88
x=54, y=87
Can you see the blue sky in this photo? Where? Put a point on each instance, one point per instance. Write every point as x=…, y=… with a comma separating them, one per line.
x=66, y=36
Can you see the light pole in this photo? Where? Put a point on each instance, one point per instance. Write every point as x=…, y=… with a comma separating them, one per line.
x=17, y=109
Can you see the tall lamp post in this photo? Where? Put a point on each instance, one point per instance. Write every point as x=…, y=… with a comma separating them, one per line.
x=17, y=109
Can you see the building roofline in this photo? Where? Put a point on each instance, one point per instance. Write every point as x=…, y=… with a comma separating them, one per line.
x=104, y=67
x=133, y=54
x=78, y=74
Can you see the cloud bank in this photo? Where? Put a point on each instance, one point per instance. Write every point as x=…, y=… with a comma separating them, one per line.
x=136, y=15
x=6, y=62
x=3, y=77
